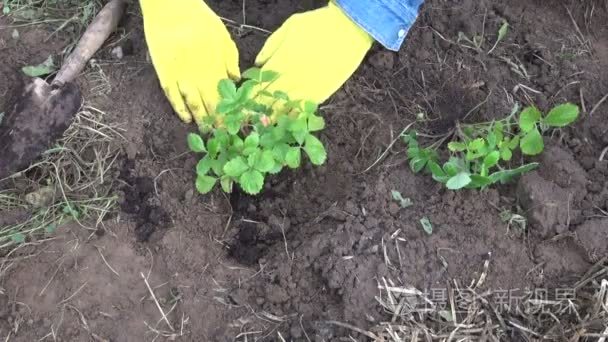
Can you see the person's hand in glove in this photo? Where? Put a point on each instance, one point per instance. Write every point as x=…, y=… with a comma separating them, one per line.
x=192, y=51
x=314, y=53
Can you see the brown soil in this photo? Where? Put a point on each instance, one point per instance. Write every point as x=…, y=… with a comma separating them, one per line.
x=316, y=245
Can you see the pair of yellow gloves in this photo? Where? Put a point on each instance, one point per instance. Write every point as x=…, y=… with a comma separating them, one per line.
x=314, y=52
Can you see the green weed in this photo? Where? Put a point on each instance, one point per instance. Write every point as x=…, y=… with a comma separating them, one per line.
x=481, y=153
x=249, y=139
x=403, y=202
x=427, y=226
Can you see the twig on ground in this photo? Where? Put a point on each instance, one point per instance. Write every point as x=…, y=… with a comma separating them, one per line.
x=162, y=312
x=387, y=149
x=598, y=104
x=106, y=262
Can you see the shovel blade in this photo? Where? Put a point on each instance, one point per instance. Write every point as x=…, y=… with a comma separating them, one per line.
x=37, y=118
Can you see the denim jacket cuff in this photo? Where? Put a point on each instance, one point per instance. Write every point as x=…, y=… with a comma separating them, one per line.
x=387, y=21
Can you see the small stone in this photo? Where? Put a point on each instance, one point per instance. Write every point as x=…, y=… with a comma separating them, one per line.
x=46, y=322
x=118, y=53
x=594, y=187
x=383, y=60
x=588, y=163
x=602, y=166
x=295, y=331
x=189, y=195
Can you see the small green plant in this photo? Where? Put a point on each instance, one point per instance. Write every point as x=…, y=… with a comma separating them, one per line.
x=502, y=33
x=404, y=202
x=255, y=133
x=480, y=154
x=427, y=226
x=477, y=40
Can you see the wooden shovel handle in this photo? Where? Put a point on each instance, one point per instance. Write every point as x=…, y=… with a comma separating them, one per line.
x=93, y=38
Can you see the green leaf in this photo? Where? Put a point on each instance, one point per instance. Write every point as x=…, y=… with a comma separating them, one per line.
x=504, y=176
x=280, y=152
x=498, y=132
x=491, y=159
x=227, y=90
x=418, y=163
x=435, y=169
x=248, y=151
x=528, y=118
x=455, y=146
x=264, y=161
x=265, y=93
x=268, y=76
x=18, y=237
x=505, y=153
x=410, y=139
x=427, y=226
x=293, y=157
x=403, y=202
x=276, y=169
x=233, y=123
x=315, y=150
x=315, y=123
x=73, y=212
x=478, y=181
x=236, y=167
x=196, y=143
x=459, y=181
x=226, y=183
x=562, y=115
x=268, y=139
x=532, y=143
x=213, y=146
x=218, y=164
x=491, y=139
x=281, y=95
x=225, y=106
x=514, y=143
x=203, y=166
x=252, y=141
x=413, y=152
x=252, y=182
x=44, y=68
x=252, y=73
x=502, y=32
x=237, y=143
x=299, y=129
x=245, y=90
x=451, y=168
x=204, y=184
x=252, y=158
x=477, y=144
x=293, y=104
x=310, y=107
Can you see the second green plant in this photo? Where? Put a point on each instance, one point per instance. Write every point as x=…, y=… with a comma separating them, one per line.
x=481, y=154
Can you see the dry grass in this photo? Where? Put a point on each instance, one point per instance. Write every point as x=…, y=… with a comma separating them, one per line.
x=575, y=313
x=69, y=182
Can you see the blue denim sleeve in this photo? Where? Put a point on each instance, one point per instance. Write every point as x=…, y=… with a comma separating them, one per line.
x=387, y=21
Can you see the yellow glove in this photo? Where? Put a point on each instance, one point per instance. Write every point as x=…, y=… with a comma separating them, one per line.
x=192, y=51
x=314, y=53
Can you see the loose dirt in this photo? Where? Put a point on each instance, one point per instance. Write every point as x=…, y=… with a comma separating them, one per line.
x=318, y=243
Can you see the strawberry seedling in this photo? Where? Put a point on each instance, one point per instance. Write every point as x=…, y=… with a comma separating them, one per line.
x=482, y=153
x=255, y=133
